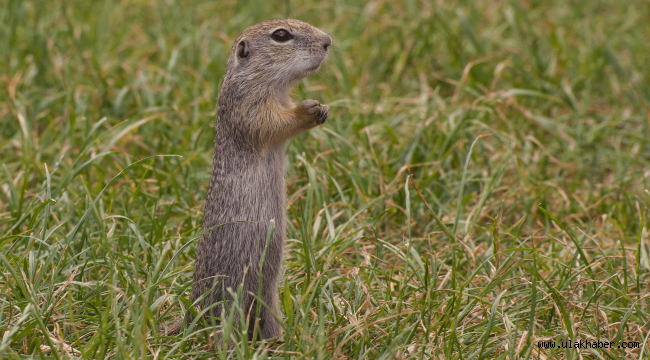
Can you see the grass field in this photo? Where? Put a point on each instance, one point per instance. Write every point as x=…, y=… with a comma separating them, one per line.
x=480, y=188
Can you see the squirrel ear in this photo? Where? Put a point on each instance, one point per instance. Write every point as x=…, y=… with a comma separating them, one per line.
x=242, y=49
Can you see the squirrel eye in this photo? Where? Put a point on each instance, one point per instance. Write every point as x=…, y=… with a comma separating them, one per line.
x=281, y=35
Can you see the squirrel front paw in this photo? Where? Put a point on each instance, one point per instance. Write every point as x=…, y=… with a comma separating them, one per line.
x=313, y=111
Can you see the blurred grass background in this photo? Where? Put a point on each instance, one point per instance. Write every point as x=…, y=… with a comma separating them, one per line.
x=481, y=185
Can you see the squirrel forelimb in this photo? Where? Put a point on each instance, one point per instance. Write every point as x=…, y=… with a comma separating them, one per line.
x=306, y=115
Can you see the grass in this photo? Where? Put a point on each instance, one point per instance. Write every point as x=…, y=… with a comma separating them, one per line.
x=481, y=186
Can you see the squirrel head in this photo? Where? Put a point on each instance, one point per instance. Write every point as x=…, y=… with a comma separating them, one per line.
x=276, y=54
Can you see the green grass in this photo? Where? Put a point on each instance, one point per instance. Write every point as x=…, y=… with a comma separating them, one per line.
x=480, y=186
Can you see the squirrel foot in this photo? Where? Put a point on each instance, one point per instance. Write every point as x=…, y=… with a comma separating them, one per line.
x=315, y=112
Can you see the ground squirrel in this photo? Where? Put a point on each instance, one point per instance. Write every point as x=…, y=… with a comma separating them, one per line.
x=255, y=118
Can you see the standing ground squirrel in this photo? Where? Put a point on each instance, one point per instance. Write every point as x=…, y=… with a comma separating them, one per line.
x=255, y=118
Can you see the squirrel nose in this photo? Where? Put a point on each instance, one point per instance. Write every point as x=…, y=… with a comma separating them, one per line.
x=327, y=42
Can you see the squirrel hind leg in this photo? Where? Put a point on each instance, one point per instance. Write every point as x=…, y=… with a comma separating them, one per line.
x=270, y=327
